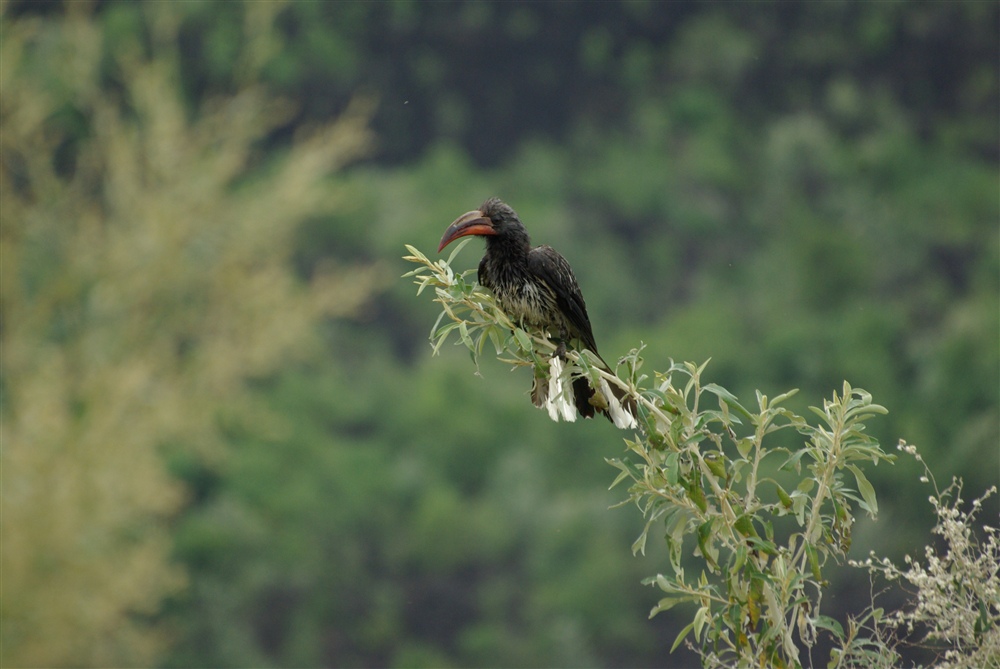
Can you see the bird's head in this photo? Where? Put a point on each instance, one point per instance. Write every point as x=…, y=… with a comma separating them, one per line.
x=493, y=219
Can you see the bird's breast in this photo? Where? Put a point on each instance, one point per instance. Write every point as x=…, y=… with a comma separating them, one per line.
x=530, y=303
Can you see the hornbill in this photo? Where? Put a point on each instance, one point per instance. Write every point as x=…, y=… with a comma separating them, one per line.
x=536, y=288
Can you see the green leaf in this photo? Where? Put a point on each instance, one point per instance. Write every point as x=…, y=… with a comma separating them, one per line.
x=737, y=559
x=458, y=248
x=761, y=401
x=763, y=545
x=627, y=466
x=706, y=544
x=425, y=280
x=814, y=562
x=442, y=336
x=828, y=623
x=671, y=468
x=481, y=342
x=730, y=399
x=415, y=255
x=413, y=272
x=744, y=525
x=699, y=621
x=821, y=413
x=716, y=463
x=639, y=545
x=792, y=463
x=667, y=603
x=523, y=340
x=696, y=494
x=744, y=446
x=784, y=396
x=866, y=489
x=786, y=501
x=589, y=359
x=434, y=328
x=618, y=479
x=680, y=637
x=495, y=338
x=463, y=331
x=769, y=530
x=737, y=470
x=676, y=527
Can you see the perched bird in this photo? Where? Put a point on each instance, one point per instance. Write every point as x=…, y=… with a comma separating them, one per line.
x=536, y=288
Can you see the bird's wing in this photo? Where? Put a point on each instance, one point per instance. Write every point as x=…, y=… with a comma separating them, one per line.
x=545, y=263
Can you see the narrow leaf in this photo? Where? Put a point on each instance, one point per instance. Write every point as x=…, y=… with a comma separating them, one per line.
x=786, y=501
x=458, y=248
x=828, y=623
x=665, y=604
x=744, y=446
x=523, y=339
x=416, y=256
x=680, y=637
x=730, y=399
x=866, y=489
x=814, y=562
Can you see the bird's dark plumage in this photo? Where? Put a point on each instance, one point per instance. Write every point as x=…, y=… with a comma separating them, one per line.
x=535, y=287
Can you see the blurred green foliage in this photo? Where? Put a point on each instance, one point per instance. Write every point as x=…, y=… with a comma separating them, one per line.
x=804, y=192
x=147, y=278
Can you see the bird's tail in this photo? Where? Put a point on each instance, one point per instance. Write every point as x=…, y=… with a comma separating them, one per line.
x=559, y=398
x=617, y=405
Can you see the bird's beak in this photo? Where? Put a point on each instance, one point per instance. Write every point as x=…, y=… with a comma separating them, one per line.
x=470, y=223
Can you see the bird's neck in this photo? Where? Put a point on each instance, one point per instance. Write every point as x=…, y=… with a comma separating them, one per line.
x=511, y=247
x=506, y=260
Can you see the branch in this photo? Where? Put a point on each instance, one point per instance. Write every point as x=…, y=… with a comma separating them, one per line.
x=699, y=473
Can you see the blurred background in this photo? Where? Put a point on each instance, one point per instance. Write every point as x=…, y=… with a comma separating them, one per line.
x=225, y=441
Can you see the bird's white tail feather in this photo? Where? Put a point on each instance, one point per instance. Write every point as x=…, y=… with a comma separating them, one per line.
x=622, y=419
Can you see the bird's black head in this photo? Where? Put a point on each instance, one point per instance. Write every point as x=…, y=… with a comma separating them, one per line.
x=500, y=214
x=494, y=220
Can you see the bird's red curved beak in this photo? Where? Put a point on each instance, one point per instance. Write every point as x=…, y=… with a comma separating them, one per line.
x=470, y=223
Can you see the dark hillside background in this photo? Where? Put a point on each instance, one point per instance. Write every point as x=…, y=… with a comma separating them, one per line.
x=803, y=192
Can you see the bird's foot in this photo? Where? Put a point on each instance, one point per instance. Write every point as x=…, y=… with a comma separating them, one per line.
x=560, y=351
